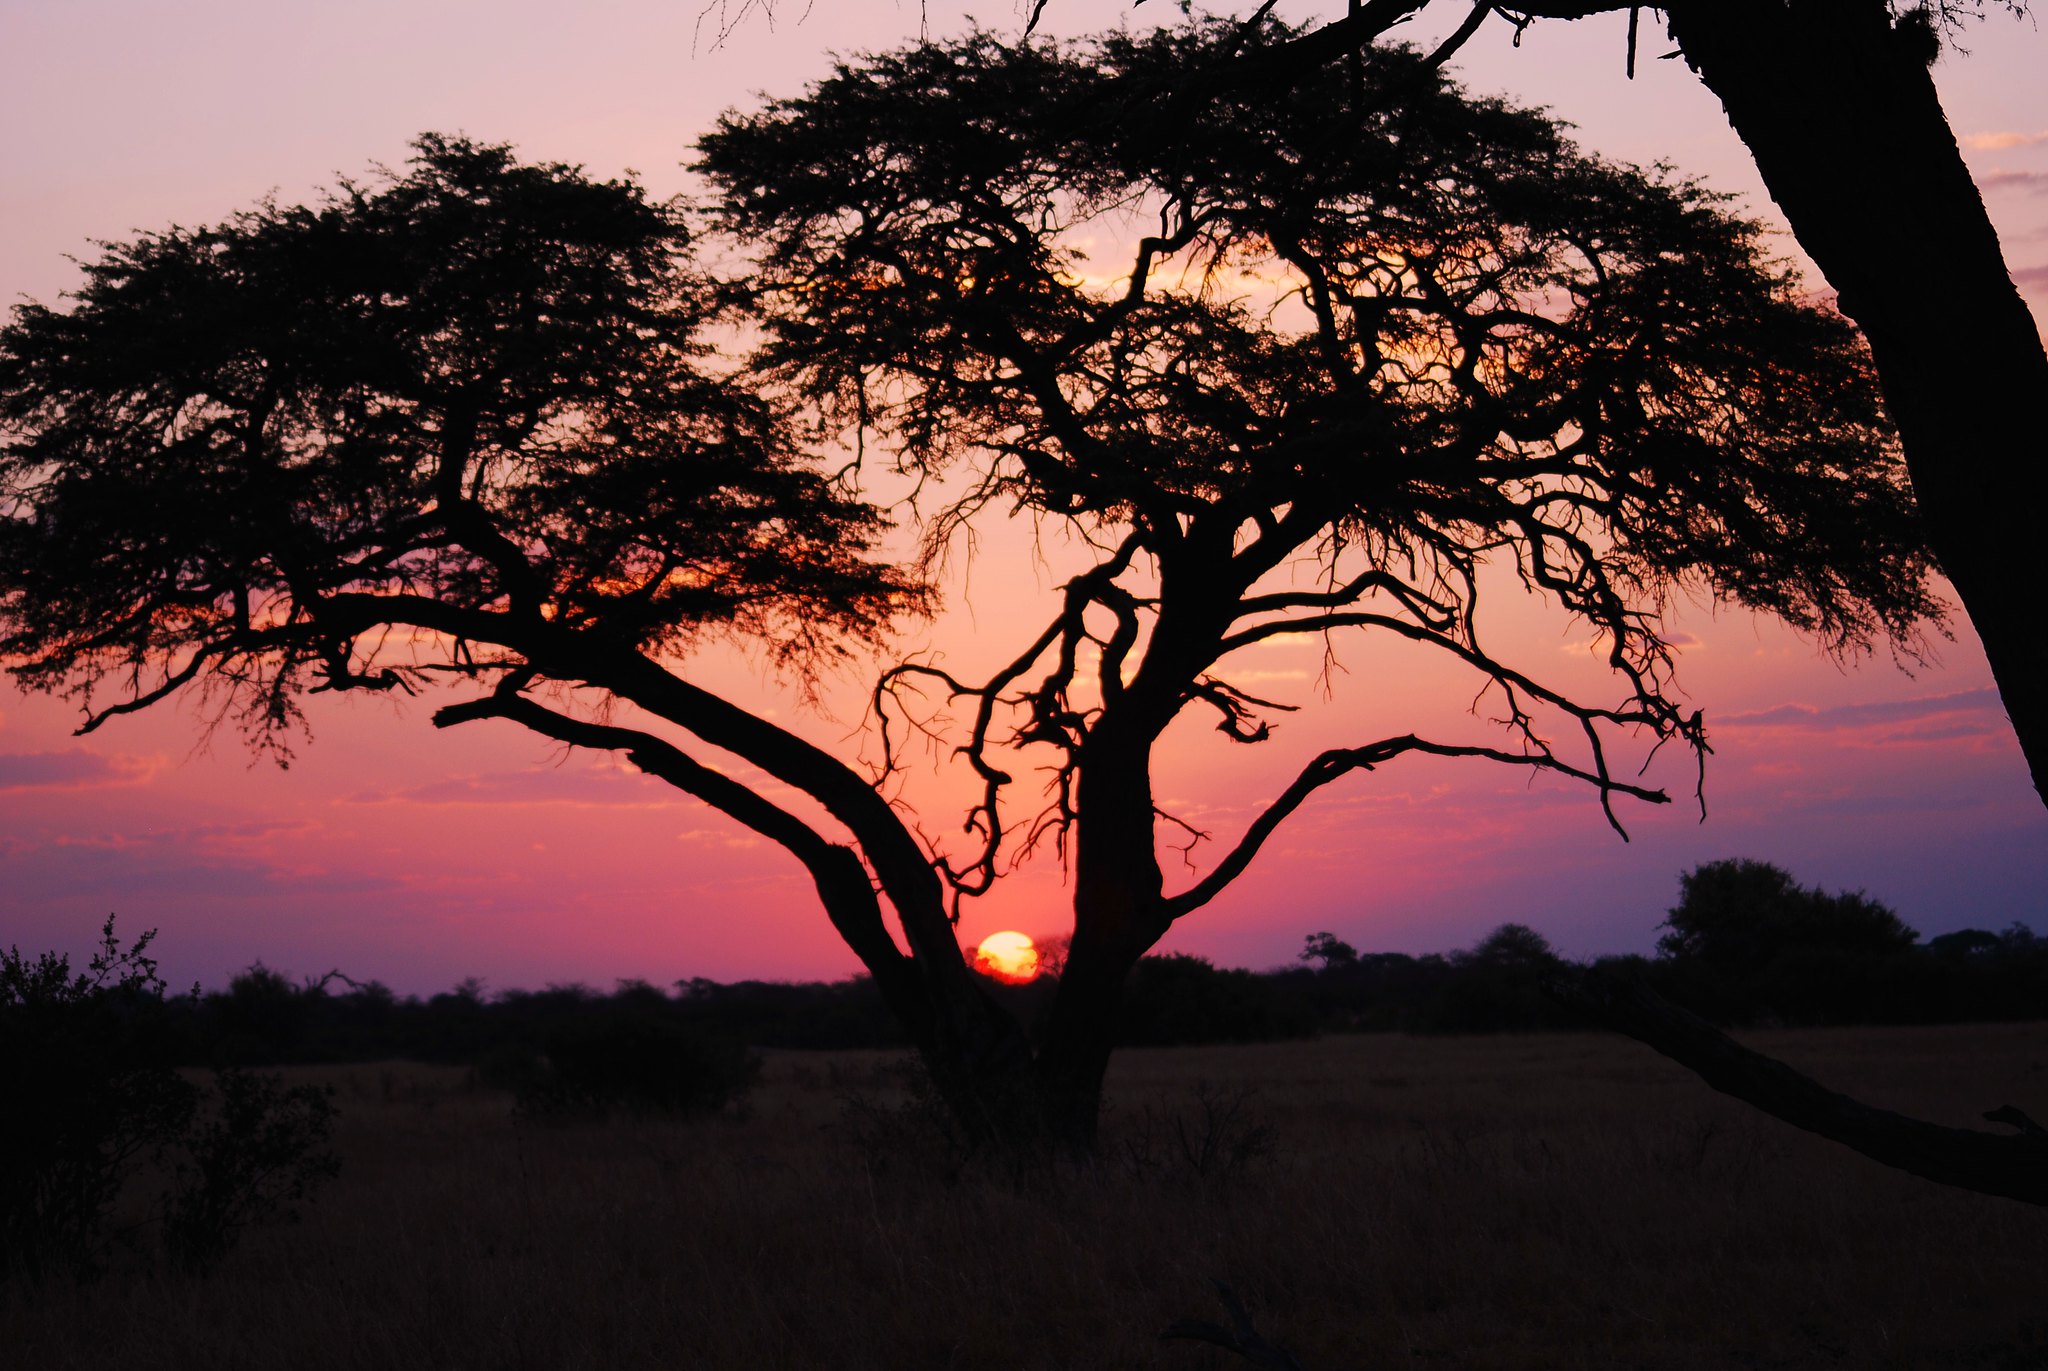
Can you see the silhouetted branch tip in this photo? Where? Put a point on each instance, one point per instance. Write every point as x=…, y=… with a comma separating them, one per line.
x=1240, y=1337
x=2013, y=1118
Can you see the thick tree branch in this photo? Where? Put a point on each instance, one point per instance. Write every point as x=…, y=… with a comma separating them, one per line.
x=1859, y=155
x=165, y=688
x=842, y=882
x=1337, y=39
x=1049, y=717
x=1337, y=763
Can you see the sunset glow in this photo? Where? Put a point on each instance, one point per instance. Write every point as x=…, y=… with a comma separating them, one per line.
x=420, y=856
x=1007, y=957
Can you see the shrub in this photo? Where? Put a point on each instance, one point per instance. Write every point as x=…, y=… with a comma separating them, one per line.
x=1216, y=1142
x=91, y=1104
x=1174, y=998
x=1738, y=916
x=251, y=1154
x=638, y=1064
x=908, y=1128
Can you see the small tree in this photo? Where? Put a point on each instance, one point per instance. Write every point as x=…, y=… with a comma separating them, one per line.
x=1738, y=916
x=1515, y=946
x=1327, y=948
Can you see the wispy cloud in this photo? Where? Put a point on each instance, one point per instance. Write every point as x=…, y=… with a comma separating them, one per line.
x=2003, y=141
x=71, y=769
x=714, y=838
x=2031, y=276
x=579, y=789
x=2003, y=178
x=144, y=871
x=255, y=830
x=1838, y=718
x=1678, y=641
x=236, y=848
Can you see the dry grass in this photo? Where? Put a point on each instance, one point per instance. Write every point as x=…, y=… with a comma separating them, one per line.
x=1513, y=1203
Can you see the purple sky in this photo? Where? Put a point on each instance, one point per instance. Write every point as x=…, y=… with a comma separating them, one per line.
x=391, y=850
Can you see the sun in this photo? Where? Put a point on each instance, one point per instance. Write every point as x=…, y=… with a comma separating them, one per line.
x=1008, y=957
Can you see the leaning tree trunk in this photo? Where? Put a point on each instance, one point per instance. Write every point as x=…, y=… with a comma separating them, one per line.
x=1843, y=119
x=2013, y=1165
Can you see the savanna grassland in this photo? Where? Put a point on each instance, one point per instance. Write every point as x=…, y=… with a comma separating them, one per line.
x=1511, y=1202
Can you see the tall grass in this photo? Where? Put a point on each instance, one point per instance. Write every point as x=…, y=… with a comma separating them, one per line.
x=1507, y=1202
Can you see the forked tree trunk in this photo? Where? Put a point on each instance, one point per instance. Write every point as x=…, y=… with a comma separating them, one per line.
x=1053, y=1101
x=1843, y=119
x=1048, y=1103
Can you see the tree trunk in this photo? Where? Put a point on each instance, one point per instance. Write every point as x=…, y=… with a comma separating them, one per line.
x=1072, y=1062
x=1843, y=119
x=1118, y=916
x=1079, y=1034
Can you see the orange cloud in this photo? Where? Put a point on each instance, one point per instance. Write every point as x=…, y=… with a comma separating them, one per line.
x=2002, y=142
x=578, y=789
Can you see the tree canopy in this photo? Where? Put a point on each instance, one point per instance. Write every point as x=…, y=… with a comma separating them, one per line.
x=471, y=400
x=1222, y=337
x=460, y=422
x=1738, y=915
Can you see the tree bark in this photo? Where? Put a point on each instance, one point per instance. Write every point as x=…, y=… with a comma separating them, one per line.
x=1842, y=116
x=1118, y=915
x=1074, y=1050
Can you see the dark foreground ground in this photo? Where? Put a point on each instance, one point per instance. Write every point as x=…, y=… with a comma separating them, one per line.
x=1504, y=1202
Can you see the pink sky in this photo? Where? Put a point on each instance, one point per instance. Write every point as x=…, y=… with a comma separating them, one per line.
x=392, y=850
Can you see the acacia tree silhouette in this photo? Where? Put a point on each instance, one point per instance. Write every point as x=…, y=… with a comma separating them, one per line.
x=455, y=423
x=1391, y=347
x=458, y=423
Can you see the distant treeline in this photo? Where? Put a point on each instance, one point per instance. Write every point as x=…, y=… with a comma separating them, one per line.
x=1746, y=946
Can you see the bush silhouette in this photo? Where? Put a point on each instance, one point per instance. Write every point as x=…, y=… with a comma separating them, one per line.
x=253, y=1150
x=1740, y=915
x=90, y=1104
x=637, y=1063
x=1177, y=998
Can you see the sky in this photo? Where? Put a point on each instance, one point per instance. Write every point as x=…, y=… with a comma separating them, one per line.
x=391, y=850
